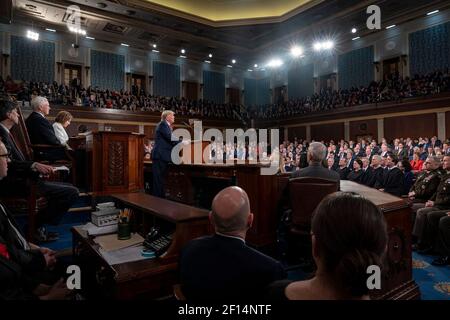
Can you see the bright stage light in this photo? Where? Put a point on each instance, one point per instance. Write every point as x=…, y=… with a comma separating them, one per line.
x=296, y=51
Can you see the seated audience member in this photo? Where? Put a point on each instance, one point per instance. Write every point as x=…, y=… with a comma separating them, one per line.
x=440, y=201
x=393, y=179
x=41, y=130
x=367, y=171
x=343, y=170
x=222, y=267
x=356, y=174
x=408, y=180
x=316, y=155
x=426, y=183
x=437, y=228
x=60, y=196
x=341, y=251
x=416, y=163
x=377, y=173
x=62, y=121
x=21, y=262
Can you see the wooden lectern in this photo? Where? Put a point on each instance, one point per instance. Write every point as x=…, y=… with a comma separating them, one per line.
x=115, y=162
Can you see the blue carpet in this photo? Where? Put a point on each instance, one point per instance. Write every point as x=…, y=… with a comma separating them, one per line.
x=434, y=282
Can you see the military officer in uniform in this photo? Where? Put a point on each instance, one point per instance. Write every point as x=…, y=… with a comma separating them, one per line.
x=426, y=183
x=440, y=201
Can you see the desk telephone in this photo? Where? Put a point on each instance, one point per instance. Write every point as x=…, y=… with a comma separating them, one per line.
x=157, y=241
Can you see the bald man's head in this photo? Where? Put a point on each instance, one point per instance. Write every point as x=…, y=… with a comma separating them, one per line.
x=231, y=211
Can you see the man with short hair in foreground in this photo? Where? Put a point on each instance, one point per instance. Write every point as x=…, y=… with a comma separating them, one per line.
x=222, y=267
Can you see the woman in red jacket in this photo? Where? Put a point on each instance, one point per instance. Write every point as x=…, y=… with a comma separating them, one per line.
x=416, y=163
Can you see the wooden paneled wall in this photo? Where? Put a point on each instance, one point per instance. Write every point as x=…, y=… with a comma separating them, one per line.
x=327, y=132
x=299, y=132
x=423, y=125
x=363, y=128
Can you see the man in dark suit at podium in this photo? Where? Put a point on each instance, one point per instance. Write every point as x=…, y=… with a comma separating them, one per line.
x=161, y=153
x=222, y=267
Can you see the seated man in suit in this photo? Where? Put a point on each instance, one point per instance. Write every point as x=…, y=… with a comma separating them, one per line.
x=23, y=265
x=60, y=196
x=316, y=155
x=393, y=178
x=41, y=131
x=343, y=170
x=222, y=267
x=377, y=173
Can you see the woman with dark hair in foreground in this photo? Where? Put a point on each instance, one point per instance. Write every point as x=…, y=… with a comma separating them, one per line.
x=348, y=235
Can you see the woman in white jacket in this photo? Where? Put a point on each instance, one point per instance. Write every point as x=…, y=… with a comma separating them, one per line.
x=62, y=121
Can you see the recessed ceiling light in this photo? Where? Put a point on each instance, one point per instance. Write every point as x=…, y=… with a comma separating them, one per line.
x=354, y=30
x=233, y=61
x=255, y=65
x=210, y=55
x=183, y=51
x=154, y=45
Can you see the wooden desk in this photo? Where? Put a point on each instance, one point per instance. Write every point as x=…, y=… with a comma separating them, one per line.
x=197, y=184
x=150, y=278
x=265, y=193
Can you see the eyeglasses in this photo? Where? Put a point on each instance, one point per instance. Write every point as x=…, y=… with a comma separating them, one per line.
x=7, y=156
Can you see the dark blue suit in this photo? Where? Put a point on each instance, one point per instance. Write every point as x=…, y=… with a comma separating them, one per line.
x=41, y=131
x=220, y=268
x=161, y=156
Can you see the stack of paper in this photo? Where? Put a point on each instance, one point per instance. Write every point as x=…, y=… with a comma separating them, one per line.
x=93, y=230
x=110, y=242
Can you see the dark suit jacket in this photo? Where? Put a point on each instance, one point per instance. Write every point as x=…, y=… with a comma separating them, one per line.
x=222, y=268
x=41, y=130
x=316, y=171
x=163, y=142
x=394, y=181
x=367, y=176
x=355, y=176
x=377, y=179
x=13, y=284
x=29, y=260
x=343, y=173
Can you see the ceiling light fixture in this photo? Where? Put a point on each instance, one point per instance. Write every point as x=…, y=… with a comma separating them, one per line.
x=354, y=30
x=210, y=55
x=356, y=38
x=51, y=30
x=32, y=35
x=233, y=61
x=90, y=38
x=124, y=44
x=432, y=12
x=391, y=26
x=296, y=51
